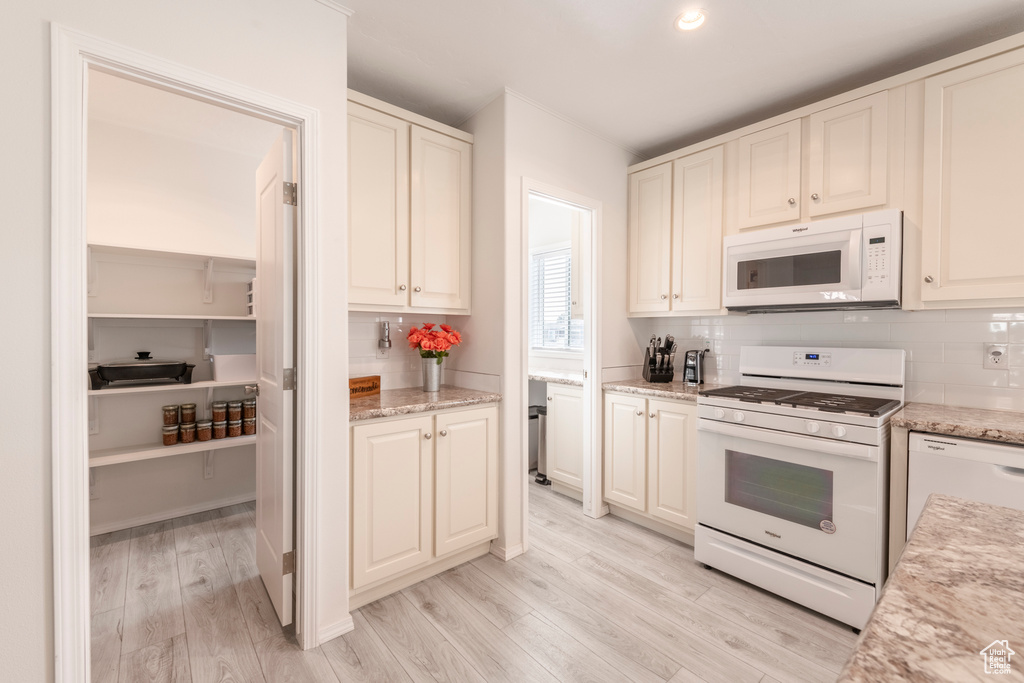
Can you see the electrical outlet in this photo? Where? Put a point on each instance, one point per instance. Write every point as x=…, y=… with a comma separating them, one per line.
x=995, y=356
x=92, y=485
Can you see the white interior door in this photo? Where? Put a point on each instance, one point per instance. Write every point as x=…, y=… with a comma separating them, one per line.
x=274, y=353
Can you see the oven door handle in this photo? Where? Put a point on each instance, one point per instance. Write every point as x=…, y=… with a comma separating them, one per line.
x=807, y=443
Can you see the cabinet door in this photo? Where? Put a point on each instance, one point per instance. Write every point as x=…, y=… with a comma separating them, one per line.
x=466, y=479
x=625, y=450
x=441, y=210
x=697, y=232
x=672, y=462
x=565, y=434
x=378, y=208
x=971, y=236
x=650, y=239
x=848, y=152
x=391, y=498
x=769, y=176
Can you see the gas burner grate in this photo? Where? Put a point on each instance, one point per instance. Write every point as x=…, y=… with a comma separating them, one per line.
x=840, y=403
x=751, y=394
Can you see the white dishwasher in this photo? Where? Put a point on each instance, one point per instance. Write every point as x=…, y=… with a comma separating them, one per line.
x=984, y=471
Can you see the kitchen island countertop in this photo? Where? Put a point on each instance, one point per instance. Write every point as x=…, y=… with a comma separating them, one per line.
x=957, y=589
x=1005, y=426
x=393, y=402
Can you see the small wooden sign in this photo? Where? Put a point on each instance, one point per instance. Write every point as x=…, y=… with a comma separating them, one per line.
x=363, y=386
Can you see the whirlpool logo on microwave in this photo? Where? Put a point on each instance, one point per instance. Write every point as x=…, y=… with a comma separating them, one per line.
x=803, y=229
x=773, y=534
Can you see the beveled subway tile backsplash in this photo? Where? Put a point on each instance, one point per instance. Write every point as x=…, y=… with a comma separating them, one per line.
x=402, y=366
x=945, y=348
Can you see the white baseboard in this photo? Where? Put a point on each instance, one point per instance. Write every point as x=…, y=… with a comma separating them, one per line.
x=169, y=514
x=506, y=554
x=334, y=630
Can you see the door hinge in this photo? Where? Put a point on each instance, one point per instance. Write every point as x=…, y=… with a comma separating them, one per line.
x=291, y=193
x=289, y=379
x=288, y=563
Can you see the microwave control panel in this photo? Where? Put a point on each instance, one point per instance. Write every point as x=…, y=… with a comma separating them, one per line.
x=881, y=262
x=804, y=359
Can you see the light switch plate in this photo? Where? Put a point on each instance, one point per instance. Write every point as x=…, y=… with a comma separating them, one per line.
x=995, y=356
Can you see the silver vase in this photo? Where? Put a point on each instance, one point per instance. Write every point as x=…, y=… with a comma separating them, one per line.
x=431, y=374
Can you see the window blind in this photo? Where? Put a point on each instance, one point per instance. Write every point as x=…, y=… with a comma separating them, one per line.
x=551, y=323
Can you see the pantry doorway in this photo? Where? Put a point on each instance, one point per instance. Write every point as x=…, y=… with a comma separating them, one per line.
x=76, y=56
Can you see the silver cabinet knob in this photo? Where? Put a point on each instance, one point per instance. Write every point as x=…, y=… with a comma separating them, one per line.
x=401, y=288
x=549, y=398
x=664, y=296
x=675, y=296
x=929, y=279
x=444, y=432
x=814, y=196
x=640, y=413
x=415, y=289
x=652, y=415
x=252, y=389
x=792, y=201
x=427, y=436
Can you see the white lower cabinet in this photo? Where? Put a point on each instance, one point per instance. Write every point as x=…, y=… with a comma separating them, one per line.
x=423, y=488
x=650, y=457
x=564, y=435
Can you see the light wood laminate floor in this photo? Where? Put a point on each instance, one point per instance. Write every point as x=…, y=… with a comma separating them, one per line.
x=593, y=600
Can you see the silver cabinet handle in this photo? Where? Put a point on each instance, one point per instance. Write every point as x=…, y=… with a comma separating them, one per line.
x=792, y=201
x=652, y=415
x=415, y=289
x=640, y=413
x=664, y=296
x=549, y=398
x=444, y=432
x=427, y=436
x=929, y=279
x=814, y=196
x=252, y=389
x=675, y=296
x=401, y=288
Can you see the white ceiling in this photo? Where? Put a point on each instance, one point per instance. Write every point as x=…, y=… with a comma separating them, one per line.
x=620, y=69
x=121, y=102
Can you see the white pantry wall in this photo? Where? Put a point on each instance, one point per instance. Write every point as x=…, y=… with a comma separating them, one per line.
x=299, y=55
x=945, y=348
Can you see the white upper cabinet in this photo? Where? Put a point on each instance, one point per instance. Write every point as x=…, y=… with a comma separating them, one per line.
x=650, y=239
x=410, y=211
x=972, y=242
x=768, y=189
x=697, y=232
x=848, y=156
x=378, y=207
x=675, y=235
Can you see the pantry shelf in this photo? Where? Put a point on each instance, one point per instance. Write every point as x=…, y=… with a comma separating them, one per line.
x=150, y=388
x=221, y=260
x=149, y=316
x=116, y=456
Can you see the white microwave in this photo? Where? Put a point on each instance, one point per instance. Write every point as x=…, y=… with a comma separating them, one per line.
x=833, y=264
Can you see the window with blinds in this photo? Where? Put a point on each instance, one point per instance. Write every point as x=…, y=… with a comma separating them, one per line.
x=551, y=324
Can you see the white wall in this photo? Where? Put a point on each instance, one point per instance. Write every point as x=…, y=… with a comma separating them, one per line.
x=299, y=55
x=402, y=367
x=944, y=348
x=156, y=192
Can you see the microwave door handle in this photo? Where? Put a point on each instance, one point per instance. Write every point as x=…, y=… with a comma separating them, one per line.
x=807, y=443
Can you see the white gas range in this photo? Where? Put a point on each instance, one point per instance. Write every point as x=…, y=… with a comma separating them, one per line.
x=792, y=474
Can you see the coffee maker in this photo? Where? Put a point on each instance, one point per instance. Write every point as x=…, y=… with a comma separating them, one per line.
x=693, y=367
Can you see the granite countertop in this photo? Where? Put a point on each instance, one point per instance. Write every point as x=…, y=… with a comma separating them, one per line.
x=958, y=587
x=392, y=402
x=1006, y=426
x=573, y=379
x=677, y=391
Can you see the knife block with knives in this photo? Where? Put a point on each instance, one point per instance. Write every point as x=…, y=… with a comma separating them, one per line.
x=659, y=359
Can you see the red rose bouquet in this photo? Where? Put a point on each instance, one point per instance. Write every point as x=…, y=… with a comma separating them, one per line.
x=433, y=343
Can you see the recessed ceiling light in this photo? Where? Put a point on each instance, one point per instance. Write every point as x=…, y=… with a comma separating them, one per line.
x=691, y=19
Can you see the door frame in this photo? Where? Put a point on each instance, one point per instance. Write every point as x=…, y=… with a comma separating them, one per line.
x=72, y=54
x=593, y=502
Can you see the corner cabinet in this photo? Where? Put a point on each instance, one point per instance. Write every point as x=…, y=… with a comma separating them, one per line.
x=845, y=165
x=650, y=459
x=675, y=236
x=971, y=238
x=410, y=211
x=424, y=497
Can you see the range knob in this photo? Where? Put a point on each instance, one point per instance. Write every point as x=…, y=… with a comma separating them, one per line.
x=813, y=427
x=719, y=413
x=839, y=431
x=738, y=416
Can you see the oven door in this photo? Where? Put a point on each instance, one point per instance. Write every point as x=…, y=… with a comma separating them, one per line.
x=815, y=499
x=809, y=269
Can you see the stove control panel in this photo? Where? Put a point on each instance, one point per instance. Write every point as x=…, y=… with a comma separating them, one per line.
x=809, y=359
